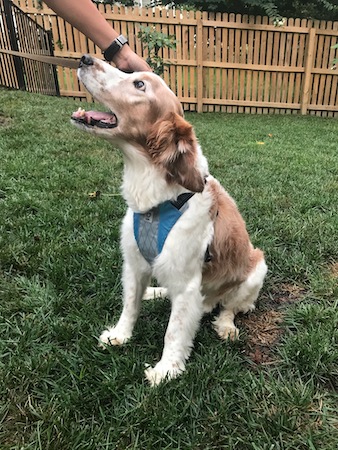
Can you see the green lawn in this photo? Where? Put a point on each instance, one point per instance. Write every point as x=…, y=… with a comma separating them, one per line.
x=60, y=266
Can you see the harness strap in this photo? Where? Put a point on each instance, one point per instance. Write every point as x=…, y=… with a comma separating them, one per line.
x=151, y=229
x=182, y=199
x=207, y=255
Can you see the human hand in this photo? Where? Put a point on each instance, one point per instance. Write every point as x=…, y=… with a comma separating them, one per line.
x=128, y=61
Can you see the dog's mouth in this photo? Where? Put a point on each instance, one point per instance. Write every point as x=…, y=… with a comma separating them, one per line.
x=95, y=118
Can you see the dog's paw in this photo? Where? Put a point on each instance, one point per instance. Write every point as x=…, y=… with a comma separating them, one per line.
x=152, y=293
x=113, y=336
x=161, y=372
x=227, y=332
x=207, y=308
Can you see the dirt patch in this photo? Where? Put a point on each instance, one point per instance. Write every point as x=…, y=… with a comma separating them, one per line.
x=334, y=270
x=5, y=121
x=263, y=327
x=284, y=294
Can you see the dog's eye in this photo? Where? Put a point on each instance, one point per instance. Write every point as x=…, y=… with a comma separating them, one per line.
x=139, y=84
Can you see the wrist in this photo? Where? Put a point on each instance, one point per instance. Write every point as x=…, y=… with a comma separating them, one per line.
x=122, y=56
x=115, y=48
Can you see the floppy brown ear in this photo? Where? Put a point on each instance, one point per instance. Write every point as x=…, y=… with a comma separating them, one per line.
x=172, y=145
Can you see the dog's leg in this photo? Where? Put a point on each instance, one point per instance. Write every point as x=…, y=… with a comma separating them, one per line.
x=225, y=326
x=241, y=299
x=134, y=285
x=186, y=312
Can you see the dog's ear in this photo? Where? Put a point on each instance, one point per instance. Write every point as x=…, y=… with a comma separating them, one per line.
x=172, y=145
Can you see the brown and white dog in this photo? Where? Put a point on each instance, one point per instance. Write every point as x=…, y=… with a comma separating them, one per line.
x=207, y=258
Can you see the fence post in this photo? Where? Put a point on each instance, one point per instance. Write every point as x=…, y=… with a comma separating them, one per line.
x=309, y=58
x=49, y=36
x=199, y=60
x=14, y=44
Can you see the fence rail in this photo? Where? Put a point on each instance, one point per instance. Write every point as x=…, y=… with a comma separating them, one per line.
x=222, y=62
x=20, y=35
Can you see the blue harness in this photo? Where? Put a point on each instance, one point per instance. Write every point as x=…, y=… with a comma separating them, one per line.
x=151, y=229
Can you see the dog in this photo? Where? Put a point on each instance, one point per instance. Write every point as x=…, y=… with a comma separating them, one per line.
x=181, y=226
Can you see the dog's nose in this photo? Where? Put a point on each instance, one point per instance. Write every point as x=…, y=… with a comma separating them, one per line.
x=86, y=60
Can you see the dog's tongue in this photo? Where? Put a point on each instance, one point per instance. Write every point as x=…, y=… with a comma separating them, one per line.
x=100, y=117
x=93, y=117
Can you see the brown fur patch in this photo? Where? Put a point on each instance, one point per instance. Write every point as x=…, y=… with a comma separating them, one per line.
x=172, y=145
x=233, y=256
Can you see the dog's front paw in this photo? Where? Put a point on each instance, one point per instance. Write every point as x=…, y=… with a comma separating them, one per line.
x=227, y=332
x=113, y=336
x=155, y=375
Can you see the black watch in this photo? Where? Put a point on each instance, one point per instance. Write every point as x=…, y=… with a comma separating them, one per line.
x=114, y=47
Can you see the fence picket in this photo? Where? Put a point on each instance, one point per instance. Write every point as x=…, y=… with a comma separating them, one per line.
x=199, y=61
x=308, y=70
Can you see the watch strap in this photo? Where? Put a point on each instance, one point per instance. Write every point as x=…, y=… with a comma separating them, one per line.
x=115, y=47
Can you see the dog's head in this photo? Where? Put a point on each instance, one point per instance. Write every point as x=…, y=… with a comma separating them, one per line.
x=142, y=112
x=135, y=101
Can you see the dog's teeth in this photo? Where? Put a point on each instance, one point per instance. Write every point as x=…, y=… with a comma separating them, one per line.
x=81, y=112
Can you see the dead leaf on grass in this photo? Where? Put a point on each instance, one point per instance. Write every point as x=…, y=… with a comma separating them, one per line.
x=4, y=121
x=334, y=270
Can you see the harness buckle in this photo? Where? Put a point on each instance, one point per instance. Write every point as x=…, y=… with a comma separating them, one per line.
x=149, y=216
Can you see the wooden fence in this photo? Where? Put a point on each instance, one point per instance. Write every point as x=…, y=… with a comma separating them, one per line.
x=222, y=62
x=20, y=34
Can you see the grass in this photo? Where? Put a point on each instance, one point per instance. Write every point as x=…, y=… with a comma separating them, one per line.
x=60, y=267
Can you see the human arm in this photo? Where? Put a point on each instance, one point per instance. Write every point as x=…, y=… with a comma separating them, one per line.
x=84, y=16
